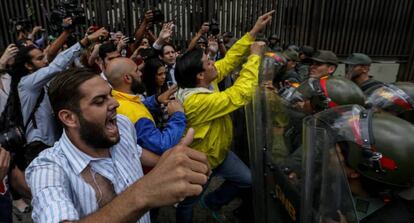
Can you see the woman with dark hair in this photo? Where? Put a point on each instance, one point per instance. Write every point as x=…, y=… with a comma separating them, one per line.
x=154, y=79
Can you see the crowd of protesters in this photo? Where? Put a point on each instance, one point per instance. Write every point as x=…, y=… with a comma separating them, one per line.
x=109, y=129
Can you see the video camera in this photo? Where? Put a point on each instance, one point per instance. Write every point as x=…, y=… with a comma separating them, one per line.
x=158, y=16
x=12, y=139
x=65, y=9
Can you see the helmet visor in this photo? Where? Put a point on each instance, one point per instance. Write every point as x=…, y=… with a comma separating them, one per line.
x=348, y=123
x=391, y=99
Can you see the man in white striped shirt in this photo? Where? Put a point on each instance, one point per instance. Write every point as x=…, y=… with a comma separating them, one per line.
x=93, y=173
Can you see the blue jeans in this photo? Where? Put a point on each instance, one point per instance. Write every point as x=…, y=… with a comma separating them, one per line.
x=237, y=176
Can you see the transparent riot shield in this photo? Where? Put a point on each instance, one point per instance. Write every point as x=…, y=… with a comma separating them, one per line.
x=276, y=198
x=390, y=98
x=326, y=195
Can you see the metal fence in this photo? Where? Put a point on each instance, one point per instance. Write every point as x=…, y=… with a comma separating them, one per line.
x=380, y=28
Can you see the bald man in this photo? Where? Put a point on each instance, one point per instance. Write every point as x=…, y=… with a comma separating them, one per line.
x=124, y=76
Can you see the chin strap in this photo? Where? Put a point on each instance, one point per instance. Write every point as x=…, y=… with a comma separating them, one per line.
x=375, y=160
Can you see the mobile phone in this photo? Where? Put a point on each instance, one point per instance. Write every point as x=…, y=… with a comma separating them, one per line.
x=170, y=84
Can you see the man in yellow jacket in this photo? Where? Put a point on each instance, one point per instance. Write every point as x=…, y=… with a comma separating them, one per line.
x=208, y=112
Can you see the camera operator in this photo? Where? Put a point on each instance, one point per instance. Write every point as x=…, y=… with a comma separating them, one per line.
x=209, y=34
x=53, y=49
x=145, y=29
x=139, y=34
x=33, y=72
x=202, y=33
x=25, y=39
x=5, y=79
x=42, y=39
x=10, y=175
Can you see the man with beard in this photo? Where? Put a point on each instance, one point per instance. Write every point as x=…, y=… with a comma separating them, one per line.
x=356, y=69
x=125, y=78
x=31, y=73
x=93, y=173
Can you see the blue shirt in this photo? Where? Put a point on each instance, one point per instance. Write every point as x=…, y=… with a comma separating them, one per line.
x=30, y=87
x=58, y=189
x=148, y=135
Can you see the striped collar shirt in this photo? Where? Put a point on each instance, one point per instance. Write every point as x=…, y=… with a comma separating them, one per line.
x=61, y=193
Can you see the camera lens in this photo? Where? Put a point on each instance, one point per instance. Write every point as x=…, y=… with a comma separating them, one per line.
x=12, y=138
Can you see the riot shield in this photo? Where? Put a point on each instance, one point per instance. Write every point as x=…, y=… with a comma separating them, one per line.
x=326, y=196
x=390, y=98
x=276, y=198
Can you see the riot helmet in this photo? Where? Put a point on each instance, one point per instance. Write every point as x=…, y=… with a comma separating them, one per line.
x=397, y=98
x=376, y=144
x=273, y=65
x=327, y=92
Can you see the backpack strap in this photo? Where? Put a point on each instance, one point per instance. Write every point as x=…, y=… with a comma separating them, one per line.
x=32, y=114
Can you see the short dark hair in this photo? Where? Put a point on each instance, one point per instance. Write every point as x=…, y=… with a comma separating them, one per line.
x=187, y=67
x=105, y=49
x=22, y=57
x=64, y=90
x=163, y=46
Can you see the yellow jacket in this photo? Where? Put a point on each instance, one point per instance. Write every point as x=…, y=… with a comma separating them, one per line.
x=207, y=111
x=131, y=106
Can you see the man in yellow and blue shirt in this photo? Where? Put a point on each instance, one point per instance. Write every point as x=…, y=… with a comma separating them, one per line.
x=125, y=78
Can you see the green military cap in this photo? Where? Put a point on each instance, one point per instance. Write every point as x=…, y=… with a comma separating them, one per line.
x=325, y=56
x=358, y=59
x=291, y=55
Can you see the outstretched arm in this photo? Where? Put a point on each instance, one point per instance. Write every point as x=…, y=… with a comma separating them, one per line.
x=234, y=56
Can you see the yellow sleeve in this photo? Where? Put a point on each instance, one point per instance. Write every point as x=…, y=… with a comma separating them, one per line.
x=203, y=107
x=133, y=112
x=234, y=57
